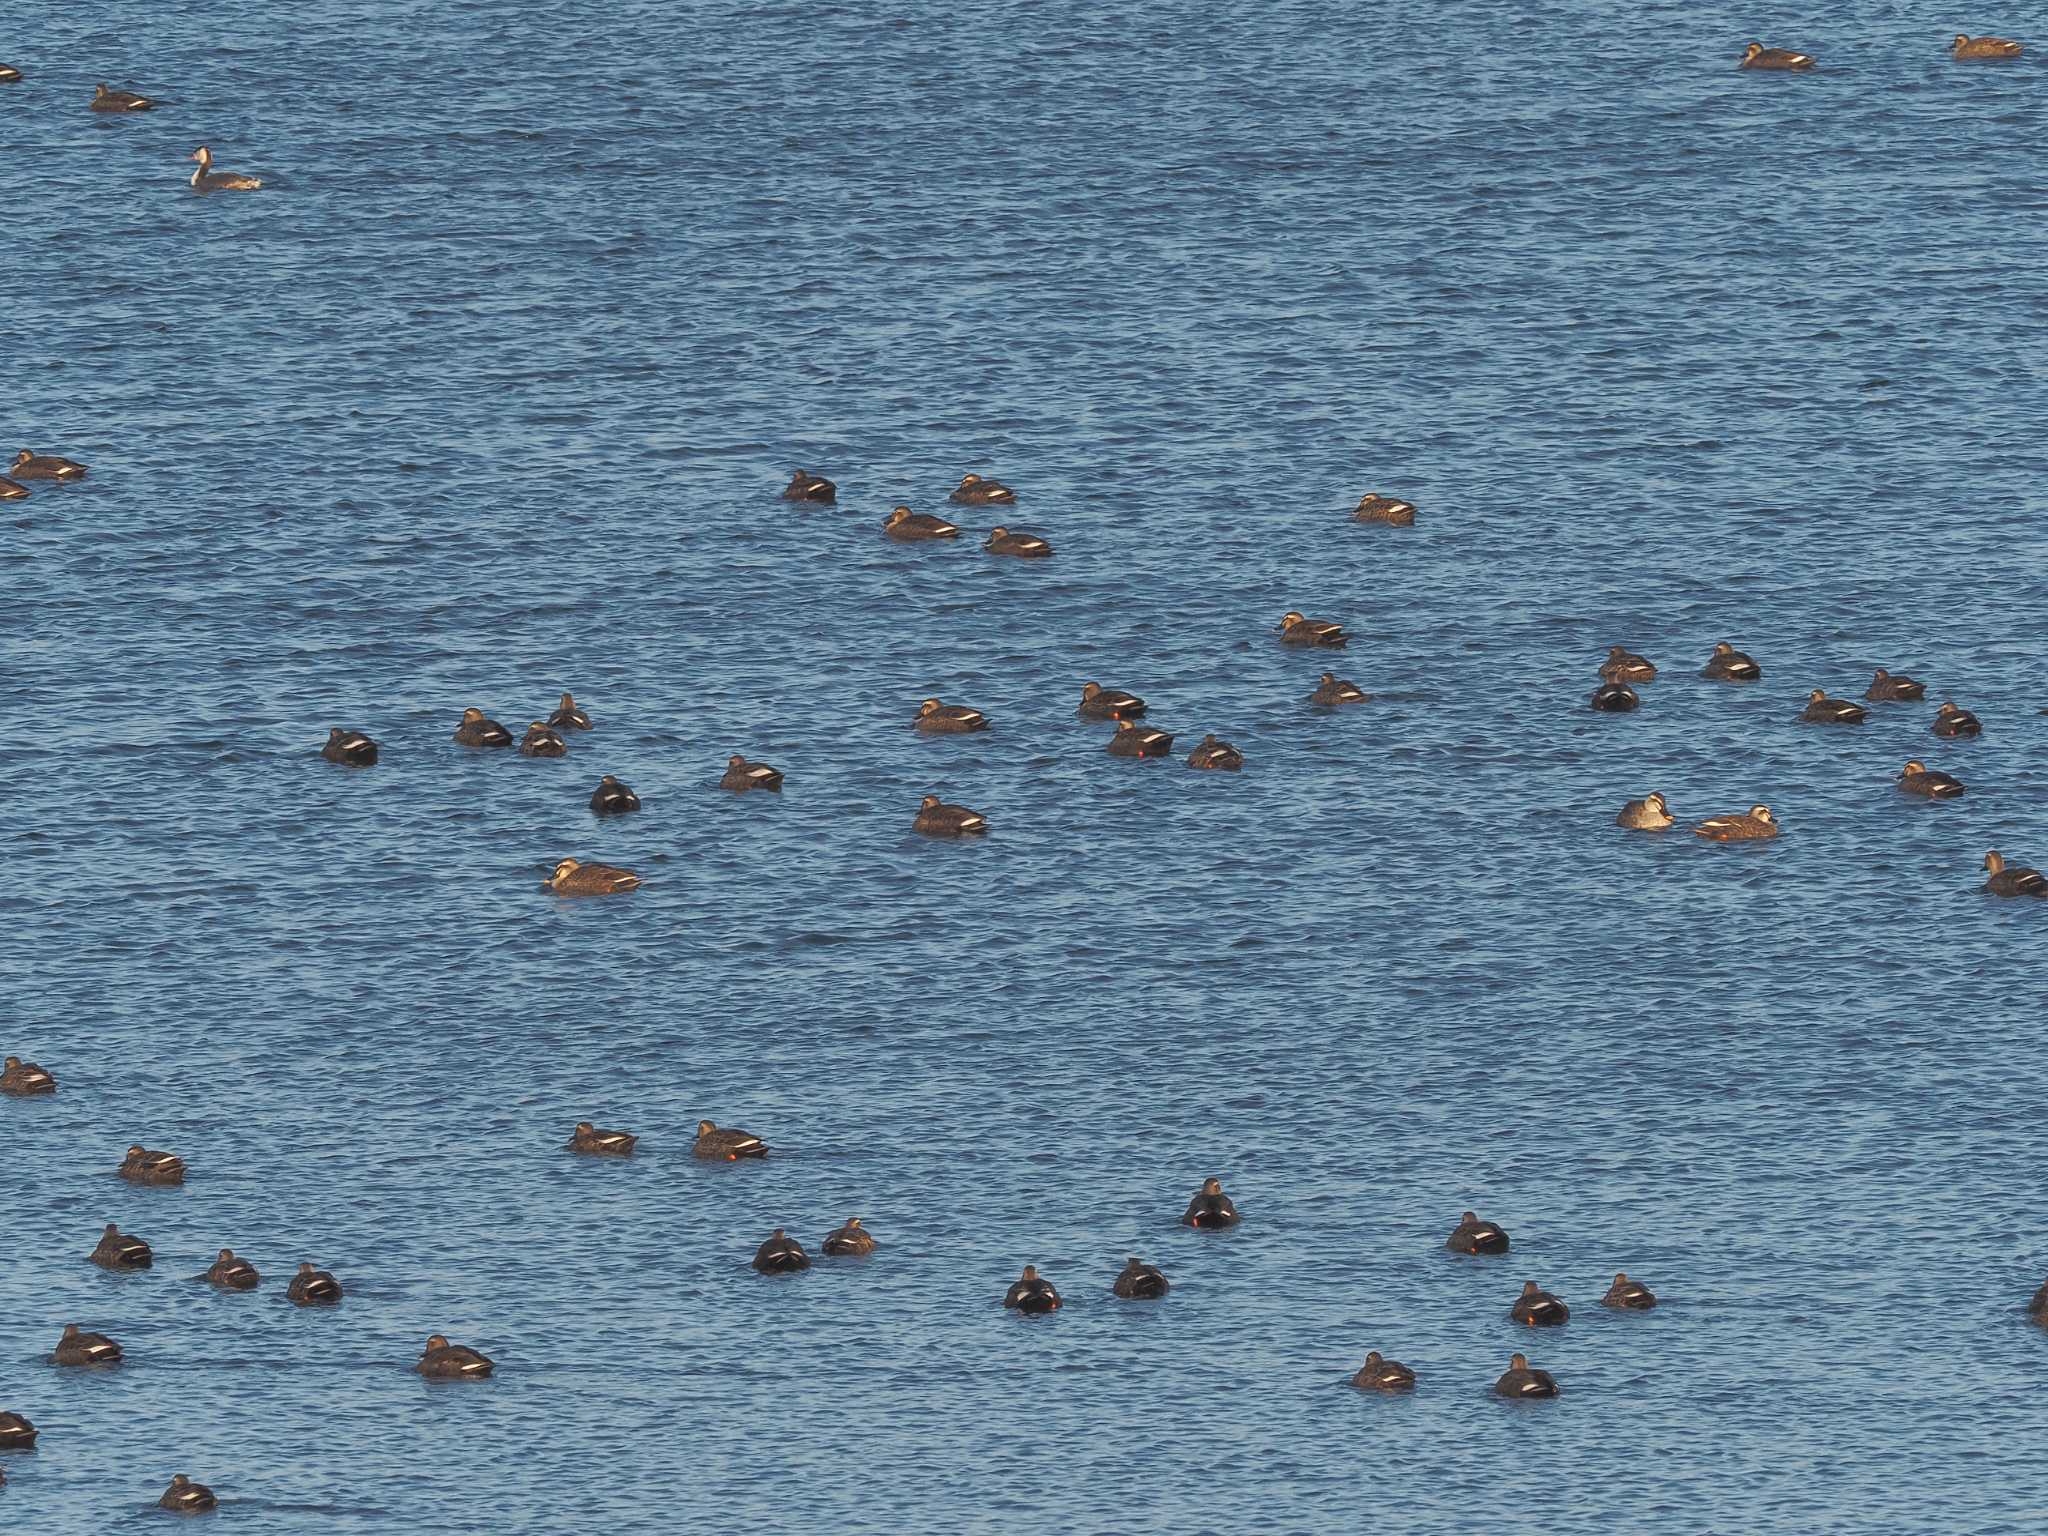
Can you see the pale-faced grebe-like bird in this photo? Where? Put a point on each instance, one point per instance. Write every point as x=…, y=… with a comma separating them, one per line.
x=207, y=179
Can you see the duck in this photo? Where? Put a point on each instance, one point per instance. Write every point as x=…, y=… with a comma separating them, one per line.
x=611, y=798
x=1334, y=690
x=1380, y=1374
x=935, y=818
x=11, y=490
x=452, y=1362
x=1022, y=546
x=2036, y=1309
x=781, y=1254
x=1032, y=1294
x=1139, y=1281
x=1615, y=699
x=1916, y=778
x=1752, y=825
x=1537, y=1308
x=587, y=1138
x=104, y=100
x=121, y=1250
x=1218, y=755
x=1374, y=508
x=1628, y=1295
x=574, y=878
x=724, y=1144
x=1521, y=1379
x=142, y=1166
x=352, y=749
x=187, y=1497
x=1135, y=740
x=974, y=491
x=1625, y=666
x=229, y=1272
x=909, y=526
x=1296, y=630
x=1210, y=1207
x=1471, y=1235
x=1728, y=665
x=542, y=740
x=2014, y=881
x=207, y=179
x=850, y=1241
x=936, y=719
x=25, y=1079
x=45, y=466
x=312, y=1287
x=1757, y=56
x=1965, y=47
x=478, y=730
x=1887, y=689
x=741, y=775
x=16, y=1433
x=1951, y=720
x=1100, y=703
x=1649, y=814
x=804, y=486
x=78, y=1347
x=569, y=715
x=9, y=75
x=1822, y=710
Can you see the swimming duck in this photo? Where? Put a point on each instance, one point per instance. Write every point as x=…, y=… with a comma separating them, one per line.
x=1216, y=754
x=1523, y=1380
x=904, y=524
x=1537, y=1308
x=1985, y=47
x=2012, y=882
x=1649, y=814
x=1625, y=666
x=144, y=1167
x=478, y=731
x=1380, y=1374
x=1628, y=1295
x=446, y=1361
x=231, y=1273
x=1741, y=827
x=1139, y=1281
x=121, y=1250
x=569, y=715
x=1334, y=690
x=741, y=775
x=781, y=1255
x=1950, y=720
x=80, y=1348
x=16, y=1433
x=1032, y=1293
x=1100, y=703
x=45, y=466
x=1135, y=740
x=1024, y=546
x=1757, y=56
x=1822, y=710
x=1916, y=778
x=352, y=749
x=611, y=798
x=10, y=491
x=573, y=878
x=542, y=740
x=589, y=1139
x=850, y=1241
x=9, y=75
x=312, y=1287
x=1885, y=688
x=974, y=491
x=104, y=100
x=1374, y=508
x=1728, y=665
x=938, y=719
x=937, y=819
x=1615, y=698
x=207, y=179
x=725, y=1145
x=809, y=487
x=187, y=1497
x=1471, y=1235
x=1210, y=1207
x=23, y=1079
x=1296, y=630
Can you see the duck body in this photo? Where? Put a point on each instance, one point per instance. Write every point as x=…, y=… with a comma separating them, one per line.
x=1615, y=699
x=575, y=878
x=1334, y=690
x=142, y=1166
x=1628, y=1295
x=9, y=75
x=1521, y=1379
x=16, y=1433
x=569, y=715
x=229, y=1272
x=1951, y=721
x=1625, y=666
x=2036, y=1309
x=45, y=466
x=1753, y=825
x=1138, y=1281
x=910, y=527
x=1019, y=546
x=1728, y=665
x=11, y=491
x=1135, y=740
x=1985, y=47
x=1391, y=510
x=1919, y=779
x=975, y=491
x=1537, y=1308
x=741, y=775
x=1649, y=814
x=781, y=1255
x=1757, y=56
x=851, y=1241
x=808, y=487
x=1296, y=630
x=2013, y=881
x=1210, y=1207
x=1219, y=756
x=1822, y=710
x=542, y=740
x=935, y=818
x=121, y=1250
x=186, y=1497
x=478, y=730
x=936, y=719
x=104, y=100
x=312, y=1287
x=592, y=1142
x=1471, y=1235
x=1100, y=703
x=1033, y=1294
x=1382, y=1375
x=207, y=179
x=1886, y=689
x=719, y=1144
x=611, y=798
x=352, y=749
x=25, y=1079
x=78, y=1347
x=442, y=1361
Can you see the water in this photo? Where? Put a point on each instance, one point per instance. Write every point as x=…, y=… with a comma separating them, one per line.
x=491, y=393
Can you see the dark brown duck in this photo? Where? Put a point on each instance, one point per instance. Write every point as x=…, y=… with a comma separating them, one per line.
x=1380, y=1374
x=1521, y=1379
x=1916, y=778
x=542, y=740
x=1628, y=1295
x=2014, y=881
x=1294, y=629
x=1135, y=740
x=725, y=1145
x=78, y=1347
x=1615, y=699
x=16, y=1433
x=1334, y=690
x=10, y=491
x=935, y=818
x=25, y=1079
x=1625, y=666
x=1210, y=1207
x=1886, y=689
x=229, y=1272
x=611, y=798
x=592, y=1142
x=1032, y=1294
x=1757, y=56
x=781, y=1254
x=851, y=1241
x=452, y=1362
x=352, y=749
x=1374, y=508
x=142, y=1166
x=938, y=719
x=1139, y=1281
x=804, y=486
x=104, y=100
x=121, y=1250
x=1471, y=1235
x=1537, y=1308
x=909, y=527
x=1100, y=703
x=569, y=715
x=1822, y=710
x=1952, y=721
x=186, y=1497
x=1020, y=546
x=741, y=775
x=45, y=466
x=312, y=1287
x=975, y=491
x=1728, y=665
x=572, y=877
x=1217, y=755
x=478, y=730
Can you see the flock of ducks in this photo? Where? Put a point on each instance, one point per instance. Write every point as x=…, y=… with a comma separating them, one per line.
x=1757, y=56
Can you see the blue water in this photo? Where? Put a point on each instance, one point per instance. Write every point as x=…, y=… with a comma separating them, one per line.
x=490, y=394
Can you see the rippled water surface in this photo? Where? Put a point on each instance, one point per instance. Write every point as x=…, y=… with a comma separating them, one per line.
x=490, y=393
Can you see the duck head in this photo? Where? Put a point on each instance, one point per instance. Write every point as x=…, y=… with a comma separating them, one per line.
x=1762, y=813
x=1289, y=618
x=897, y=515
x=1916, y=766
x=1994, y=861
x=928, y=803
x=563, y=871
x=1749, y=53
x=1521, y=1362
x=434, y=1342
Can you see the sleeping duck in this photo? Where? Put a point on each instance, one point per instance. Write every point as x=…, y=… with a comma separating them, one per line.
x=575, y=878
x=936, y=719
x=809, y=487
x=1334, y=690
x=974, y=491
x=1649, y=814
x=741, y=775
x=723, y=1144
x=1615, y=699
x=25, y=1079
x=935, y=818
x=611, y=798
x=1296, y=630
x=1100, y=703
x=1021, y=546
x=908, y=526
x=1751, y=825
x=452, y=1362
x=592, y=1142
x=1135, y=740
x=352, y=749
x=1822, y=710
x=781, y=1254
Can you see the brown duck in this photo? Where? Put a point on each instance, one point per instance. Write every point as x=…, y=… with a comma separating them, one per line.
x=187, y=1497
x=1916, y=778
x=1032, y=1294
x=1950, y=720
x=1615, y=699
x=1649, y=814
x=1218, y=755
x=1334, y=690
x=352, y=749
x=16, y=1433
x=569, y=715
x=25, y=1079
x=1625, y=666
x=1139, y=1281
x=104, y=100
x=1471, y=1235
x=2014, y=881
x=574, y=878
x=121, y=1250
x=1751, y=825
x=1374, y=508
x=1757, y=56
x=542, y=740
x=1020, y=546
x=1210, y=1207
x=1822, y=710
x=1965, y=47
x=1521, y=1379
x=229, y=1272
x=1628, y=1295
x=850, y=1241
x=1886, y=689
x=741, y=775
x=591, y=1141
x=938, y=719
x=142, y=1166
x=452, y=1362
x=974, y=491
x=478, y=730
x=1100, y=703
x=1537, y=1308
x=781, y=1254
x=611, y=798
x=10, y=491
x=725, y=1145
x=45, y=466
x=78, y=1347
x=1379, y=1374
x=909, y=526
x=1135, y=740
x=935, y=818
x=808, y=487
x=1296, y=630
x=1728, y=665
x=312, y=1287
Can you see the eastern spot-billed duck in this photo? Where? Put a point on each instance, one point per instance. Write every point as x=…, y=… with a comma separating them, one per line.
x=1740, y=827
x=1728, y=665
x=231, y=1273
x=45, y=466
x=207, y=179
x=9, y=491
x=804, y=486
x=1625, y=666
x=78, y=1347
x=741, y=775
x=935, y=818
x=312, y=1287
x=938, y=719
x=974, y=491
x=121, y=1250
x=2014, y=881
x=1649, y=814
x=24, y=1079
x=352, y=749
x=1216, y=754
x=909, y=526
x=1374, y=508
x=725, y=1145
x=1822, y=710
x=1334, y=690
x=1523, y=1380
x=1916, y=778
x=104, y=100
x=574, y=878
x=452, y=1362
x=187, y=1497
x=476, y=730
x=1615, y=698
x=1757, y=56
x=1952, y=720
x=611, y=798
x=542, y=740
x=1023, y=546
x=1139, y=1281
x=1100, y=703
x=1537, y=1308
x=1296, y=630
x=851, y=1241
x=569, y=715
x=9, y=75
x=16, y=1433
x=142, y=1166
x=1135, y=740
x=1032, y=1293
x=1210, y=1207
x=1965, y=47
x=1380, y=1374
x=1628, y=1295
x=587, y=1138
x=1885, y=688
x=781, y=1254
x=1471, y=1235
